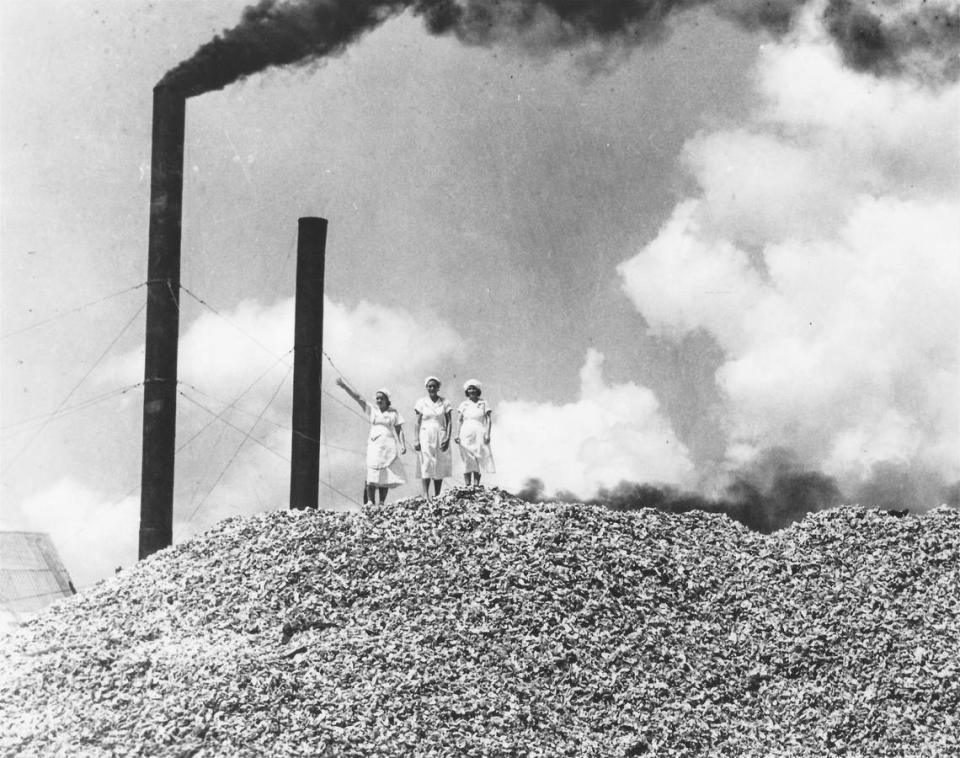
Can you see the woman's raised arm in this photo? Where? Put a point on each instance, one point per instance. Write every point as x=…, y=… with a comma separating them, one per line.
x=341, y=382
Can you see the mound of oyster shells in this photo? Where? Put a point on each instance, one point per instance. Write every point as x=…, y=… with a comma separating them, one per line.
x=480, y=625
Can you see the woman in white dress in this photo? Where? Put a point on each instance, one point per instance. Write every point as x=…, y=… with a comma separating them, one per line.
x=432, y=437
x=473, y=436
x=385, y=443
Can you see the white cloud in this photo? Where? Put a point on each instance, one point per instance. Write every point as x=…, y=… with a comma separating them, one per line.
x=824, y=136
x=683, y=282
x=822, y=254
x=372, y=344
x=610, y=434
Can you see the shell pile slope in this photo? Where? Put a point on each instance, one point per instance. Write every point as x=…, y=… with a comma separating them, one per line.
x=481, y=625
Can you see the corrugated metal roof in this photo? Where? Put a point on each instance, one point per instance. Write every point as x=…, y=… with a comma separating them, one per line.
x=31, y=575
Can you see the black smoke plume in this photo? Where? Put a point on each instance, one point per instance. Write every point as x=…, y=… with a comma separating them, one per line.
x=871, y=35
x=877, y=37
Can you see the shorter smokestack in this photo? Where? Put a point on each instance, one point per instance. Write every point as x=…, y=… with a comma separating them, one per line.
x=307, y=364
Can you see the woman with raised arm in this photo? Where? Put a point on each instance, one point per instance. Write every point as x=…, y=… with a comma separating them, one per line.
x=474, y=425
x=385, y=444
x=432, y=437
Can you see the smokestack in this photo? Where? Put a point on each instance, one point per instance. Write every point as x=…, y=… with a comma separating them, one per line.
x=163, y=321
x=307, y=363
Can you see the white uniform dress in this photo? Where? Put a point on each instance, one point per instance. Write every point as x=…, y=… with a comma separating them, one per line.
x=384, y=467
x=434, y=462
x=474, y=451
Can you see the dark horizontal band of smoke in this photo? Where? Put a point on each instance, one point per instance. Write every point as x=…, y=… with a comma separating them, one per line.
x=289, y=32
x=773, y=493
x=788, y=498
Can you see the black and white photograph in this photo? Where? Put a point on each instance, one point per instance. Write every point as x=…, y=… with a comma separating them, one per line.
x=480, y=378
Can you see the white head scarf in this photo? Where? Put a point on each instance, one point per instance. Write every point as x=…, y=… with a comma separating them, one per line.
x=472, y=383
x=383, y=391
x=431, y=379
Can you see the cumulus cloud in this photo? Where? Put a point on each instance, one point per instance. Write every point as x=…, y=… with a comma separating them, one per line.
x=370, y=343
x=388, y=345
x=824, y=137
x=611, y=433
x=821, y=254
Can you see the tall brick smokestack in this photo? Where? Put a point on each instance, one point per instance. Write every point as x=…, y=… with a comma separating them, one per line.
x=163, y=321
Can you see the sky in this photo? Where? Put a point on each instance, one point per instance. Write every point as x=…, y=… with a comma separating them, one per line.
x=666, y=251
